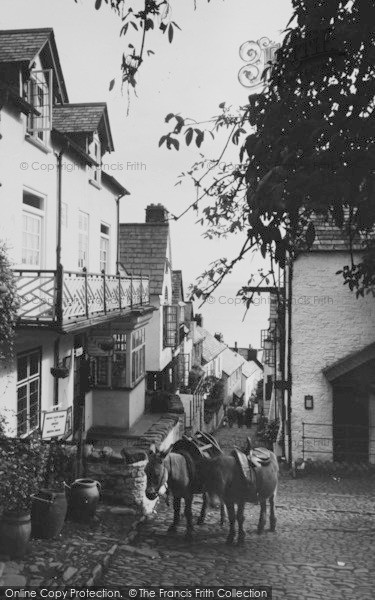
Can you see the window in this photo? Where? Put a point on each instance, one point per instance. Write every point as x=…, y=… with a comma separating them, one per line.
x=32, y=230
x=183, y=369
x=39, y=95
x=95, y=152
x=119, y=361
x=28, y=391
x=138, y=354
x=83, y=239
x=104, y=247
x=170, y=326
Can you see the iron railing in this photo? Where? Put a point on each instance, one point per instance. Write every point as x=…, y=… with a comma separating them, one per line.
x=63, y=297
x=344, y=443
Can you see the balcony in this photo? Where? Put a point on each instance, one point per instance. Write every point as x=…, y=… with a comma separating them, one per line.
x=65, y=298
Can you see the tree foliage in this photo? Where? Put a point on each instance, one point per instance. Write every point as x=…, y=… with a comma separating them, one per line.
x=138, y=19
x=306, y=146
x=9, y=305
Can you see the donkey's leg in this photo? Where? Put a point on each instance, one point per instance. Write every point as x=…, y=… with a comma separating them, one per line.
x=240, y=520
x=203, y=510
x=222, y=514
x=273, y=519
x=232, y=522
x=262, y=516
x=176, y=514
x=189, y=517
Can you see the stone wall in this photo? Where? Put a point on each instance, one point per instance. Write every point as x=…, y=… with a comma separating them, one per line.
x=121, y=472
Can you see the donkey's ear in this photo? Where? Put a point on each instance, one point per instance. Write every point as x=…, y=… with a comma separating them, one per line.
x=164, y=453
x=152, y=450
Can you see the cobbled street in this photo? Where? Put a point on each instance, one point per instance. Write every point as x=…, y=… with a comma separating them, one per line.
x=323, y=547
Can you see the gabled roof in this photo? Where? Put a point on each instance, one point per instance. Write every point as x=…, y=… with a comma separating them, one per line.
x=249, y=367
x=211, y=347
x=177, y=287
x=23, y=45
x=198, y=334
x=231, y=362
x=144, y=249
x=84, y=118
x=350, y=362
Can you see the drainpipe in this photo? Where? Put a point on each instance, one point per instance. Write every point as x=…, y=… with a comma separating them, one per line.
x=289, y=365
x=59, y=273
x=118, y=231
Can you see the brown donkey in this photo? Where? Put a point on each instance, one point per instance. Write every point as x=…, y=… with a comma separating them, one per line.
x=225, y=481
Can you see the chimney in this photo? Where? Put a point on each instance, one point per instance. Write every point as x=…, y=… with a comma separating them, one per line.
x=252, y=354
x=235, y=347
x=199, y=319
x=156, y=213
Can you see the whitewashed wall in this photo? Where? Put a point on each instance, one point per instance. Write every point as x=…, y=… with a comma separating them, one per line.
x=328, y=323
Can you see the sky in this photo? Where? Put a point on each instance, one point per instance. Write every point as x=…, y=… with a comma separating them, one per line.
x=191, y=77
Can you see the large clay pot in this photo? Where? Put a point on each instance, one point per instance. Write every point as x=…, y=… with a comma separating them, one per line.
x=15, y=531
x=48, y=512
x=84, y=498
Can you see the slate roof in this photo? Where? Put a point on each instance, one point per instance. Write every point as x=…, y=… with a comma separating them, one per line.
x=177, y=287
x=83, y=118
x=211, y=347
x=329, y=237
x=231, y=361
x=22, y=45
x=143, y=249
x=249, y=367
x=198, y=334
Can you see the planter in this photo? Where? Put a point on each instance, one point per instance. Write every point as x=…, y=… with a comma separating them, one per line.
x=83, y=500
x=15, y=531
x=107, y=346
x=59, y=372
x=48, y=512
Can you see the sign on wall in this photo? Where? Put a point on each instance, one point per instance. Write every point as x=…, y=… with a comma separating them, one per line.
x=54, y=424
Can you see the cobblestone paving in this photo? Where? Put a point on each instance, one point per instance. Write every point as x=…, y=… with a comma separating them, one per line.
x=322, y=549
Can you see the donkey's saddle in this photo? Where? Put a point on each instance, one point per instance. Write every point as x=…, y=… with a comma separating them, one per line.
x=248, y=465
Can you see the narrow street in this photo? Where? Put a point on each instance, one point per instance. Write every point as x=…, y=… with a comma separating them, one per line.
x=322, y=549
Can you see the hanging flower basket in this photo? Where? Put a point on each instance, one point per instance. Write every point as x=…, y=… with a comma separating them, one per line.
x=59, y=372
x=107, y=346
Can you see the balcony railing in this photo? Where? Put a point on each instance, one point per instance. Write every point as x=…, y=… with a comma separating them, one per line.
x=64, y=297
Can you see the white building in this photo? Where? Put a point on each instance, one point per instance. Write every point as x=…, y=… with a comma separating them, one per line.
x=81, y=332
x=332, y=356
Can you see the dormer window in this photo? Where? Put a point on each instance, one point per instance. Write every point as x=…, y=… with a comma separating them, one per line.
x=39, y=95
x=96, y=154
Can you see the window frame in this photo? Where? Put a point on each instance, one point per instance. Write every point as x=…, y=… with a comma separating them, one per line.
x=81, y=232
x=138, y=356
x=104, y=237
x=30, y=378
x=40, y=132
x=38, y=214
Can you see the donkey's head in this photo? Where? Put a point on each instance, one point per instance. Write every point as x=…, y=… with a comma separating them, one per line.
x=156, y=473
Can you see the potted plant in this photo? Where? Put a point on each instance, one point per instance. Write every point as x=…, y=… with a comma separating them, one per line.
x=22, y=464
x=49, y=507
x=59, y=372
